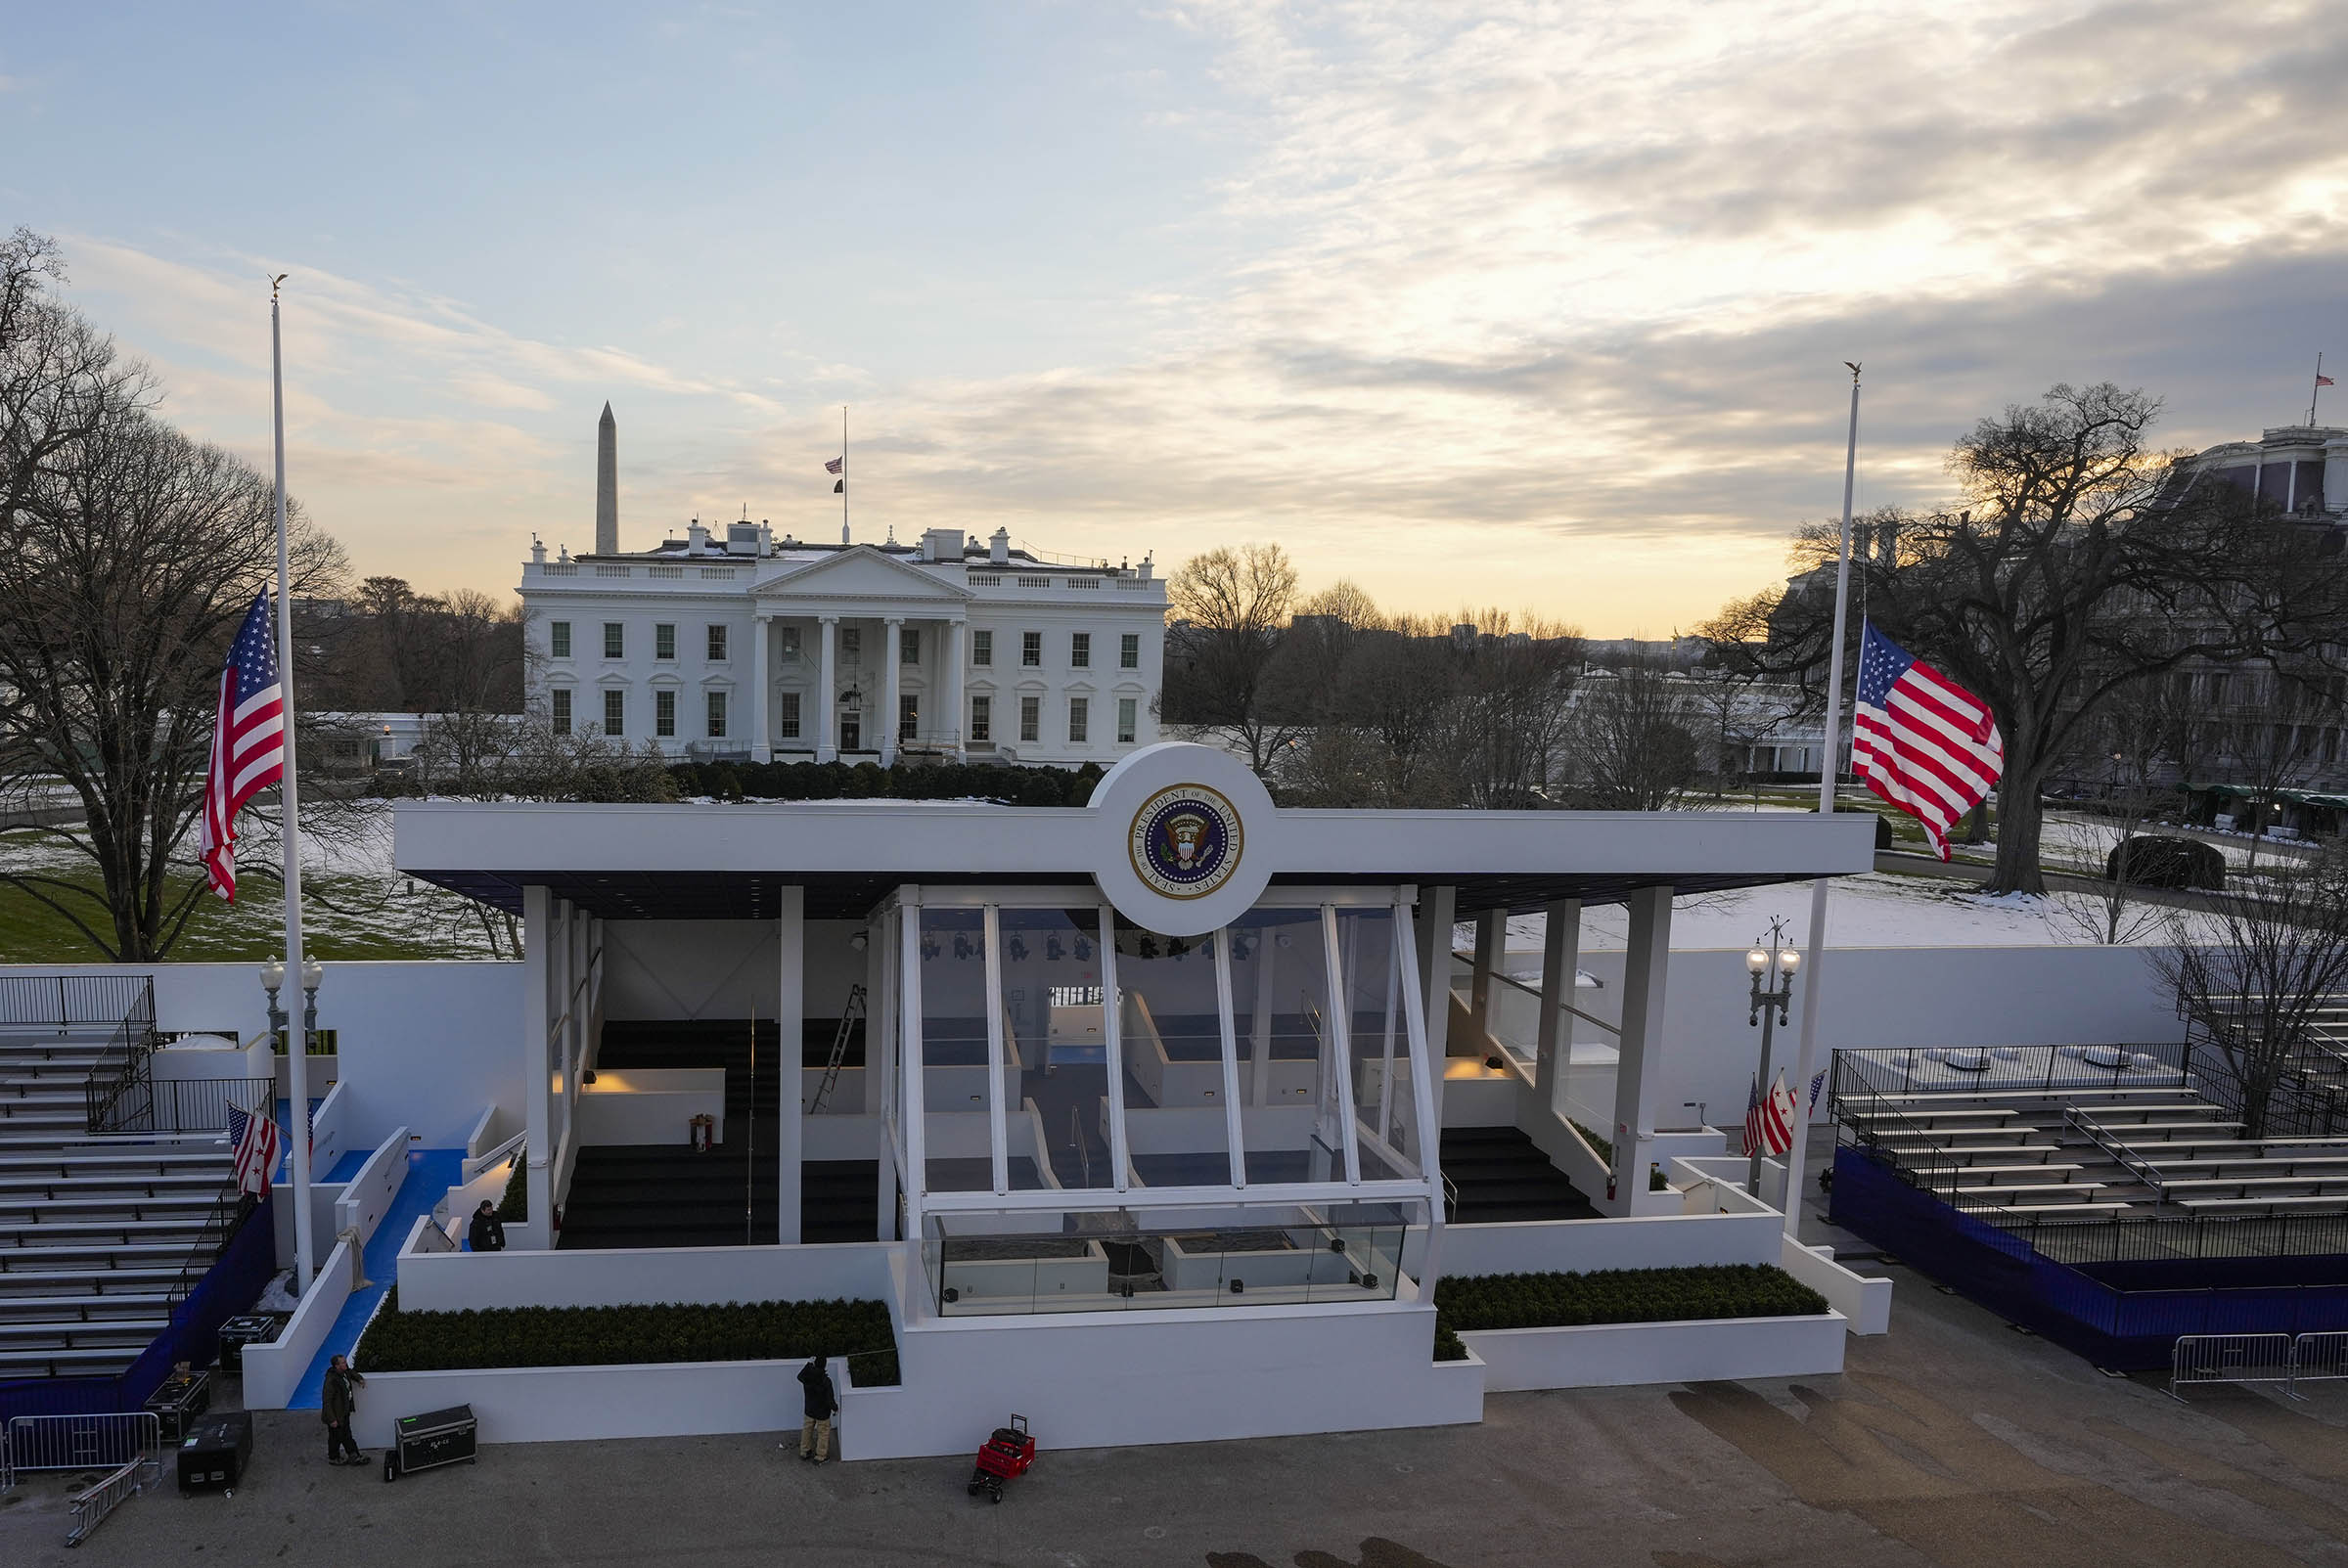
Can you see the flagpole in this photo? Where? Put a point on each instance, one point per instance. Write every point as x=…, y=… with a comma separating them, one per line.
x=1806, y=1058
x=298, y=1042
x=844, y=474
x=2313, y=392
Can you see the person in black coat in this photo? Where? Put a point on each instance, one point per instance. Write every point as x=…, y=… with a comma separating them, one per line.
x=487, y=1233
x=823, y=1403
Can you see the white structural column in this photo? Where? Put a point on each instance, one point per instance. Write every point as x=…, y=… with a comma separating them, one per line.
x=949, y=720
x=539, y=979
x=880, y=1080
x=1561, y=961
x=1259, y=1029
x=791, y=1015
x=893, y=665
x=827, y=695
x=762, y=692
x=1437, y=907
x=1639, y=1071
x=912, y=1096
x=1491, y=954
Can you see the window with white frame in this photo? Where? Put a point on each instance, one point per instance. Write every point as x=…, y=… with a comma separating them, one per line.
x=559, y=712
x=716, y=718
x=1032, y=650
x=1080, y=651
x=786, y=641
x=1031, y=718
x=558, y=639
x=716, y=645
x=664, y=640
x=909, y=645
x=983, y=645
x=787, y=720
x=1129, y=651
x=1128, y=709
x=1079, y=716
x=616, y=640
x=616, y=713
x=982, y=718
x=664, y=714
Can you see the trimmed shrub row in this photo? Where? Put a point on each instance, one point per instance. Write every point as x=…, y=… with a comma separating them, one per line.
x=514, y=1203
x=1615, y=1296
x=1010, y=784
x=1604, y=1147
x=615, y=1337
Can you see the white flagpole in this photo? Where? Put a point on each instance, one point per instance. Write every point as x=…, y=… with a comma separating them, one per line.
x=297, y=1043
x=1807, y=1058
x=844, y=474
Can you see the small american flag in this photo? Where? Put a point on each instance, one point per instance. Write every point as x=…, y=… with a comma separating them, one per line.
x=248, y=743
x=257, y=1147
x=836, y=464
x=1920, y=741
x=1769, y=1123
x=2325, y=381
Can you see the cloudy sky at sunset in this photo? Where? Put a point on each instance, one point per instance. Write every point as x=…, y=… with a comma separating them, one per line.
x=1536, y=305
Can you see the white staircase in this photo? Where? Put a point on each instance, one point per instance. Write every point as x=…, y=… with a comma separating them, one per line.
x=96, y=1233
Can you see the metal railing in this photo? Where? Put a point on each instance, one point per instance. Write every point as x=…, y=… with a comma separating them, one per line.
x=2007, y=1069
x=118, y=1093
x=2316, y=1357
x=92, y=1503
x=187, y=1104
x=82, y=1442
x=64, y=1000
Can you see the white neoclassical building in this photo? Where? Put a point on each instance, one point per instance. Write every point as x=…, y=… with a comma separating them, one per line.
x=734, y=643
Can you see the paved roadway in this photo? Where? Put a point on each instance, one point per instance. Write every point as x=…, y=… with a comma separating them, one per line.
x=1954, y=1441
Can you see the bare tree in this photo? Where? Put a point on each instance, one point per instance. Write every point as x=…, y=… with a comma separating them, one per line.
x=2255, y=974
x=2079, y=561
x=1634, y=739
x=1507, y=718
x=1235, y=604
x=2128, y=743
x=1743, y=698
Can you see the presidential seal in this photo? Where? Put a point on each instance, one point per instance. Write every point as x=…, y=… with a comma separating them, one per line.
x=1184, y=841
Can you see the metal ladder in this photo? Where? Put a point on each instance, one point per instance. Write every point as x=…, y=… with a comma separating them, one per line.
x=839, y=1048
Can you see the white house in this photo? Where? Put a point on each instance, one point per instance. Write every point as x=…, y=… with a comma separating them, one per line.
x=731, y=643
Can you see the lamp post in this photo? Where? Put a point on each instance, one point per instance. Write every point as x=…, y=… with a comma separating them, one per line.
x=1771, y=970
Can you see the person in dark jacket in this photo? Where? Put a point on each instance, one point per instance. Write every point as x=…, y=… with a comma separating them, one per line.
x=487, y=1233
x=823, y=1403
x=335, y=1404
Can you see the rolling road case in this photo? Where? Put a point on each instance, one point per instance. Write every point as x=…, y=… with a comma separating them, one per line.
x=430, y=1440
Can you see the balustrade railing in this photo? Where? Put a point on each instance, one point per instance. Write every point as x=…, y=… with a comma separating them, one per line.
x=62, y=1000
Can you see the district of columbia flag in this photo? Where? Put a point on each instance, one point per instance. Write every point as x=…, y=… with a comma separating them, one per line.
x=257, y=1146
x=1920, y=740
x=1769, y=1123
x=248, y=743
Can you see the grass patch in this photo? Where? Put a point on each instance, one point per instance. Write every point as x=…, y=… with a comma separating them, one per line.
x=1466, y=1304
x=618, y=1336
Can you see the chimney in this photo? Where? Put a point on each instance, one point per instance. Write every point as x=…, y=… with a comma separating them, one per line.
x=998, y=548
x=941, y=544
x=537, y=550
x=1148, y=567
x=607, y=484
x=696, y=538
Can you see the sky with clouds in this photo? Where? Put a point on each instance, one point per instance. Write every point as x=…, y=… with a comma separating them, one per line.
x=1532, y=305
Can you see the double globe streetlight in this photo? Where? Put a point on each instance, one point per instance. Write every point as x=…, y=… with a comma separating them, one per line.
x=298, y=1085
x=1771, y=970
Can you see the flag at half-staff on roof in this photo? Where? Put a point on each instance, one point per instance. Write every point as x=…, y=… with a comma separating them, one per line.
x=1920, y=741
x=248, y=743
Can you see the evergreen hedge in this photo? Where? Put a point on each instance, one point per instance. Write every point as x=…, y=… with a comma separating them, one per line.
x=514, y=1203
x=1604, y=1147
x=1465, y=1304
x=613, y=1336
x=1006, y=784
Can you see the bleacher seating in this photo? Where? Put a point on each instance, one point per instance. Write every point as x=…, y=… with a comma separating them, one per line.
x=96, y=1233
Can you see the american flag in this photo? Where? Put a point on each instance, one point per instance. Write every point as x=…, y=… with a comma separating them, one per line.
x=1920, y=741
x=248, y=743
x=257, y=1147
x=836, y=464
x=1769, y=1123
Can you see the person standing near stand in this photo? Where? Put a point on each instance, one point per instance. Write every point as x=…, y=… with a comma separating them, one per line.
x=487, y=1233
x=823, y=1403
x=335, y=1406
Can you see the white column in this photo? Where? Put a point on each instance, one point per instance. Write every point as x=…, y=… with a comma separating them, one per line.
x=538, y=957
x=1561, y=959
x=1491, y=952
x=827, y=698
x=791, y=1012
x=1639, y=1071
x=892, y=663
x=911, y=1097
x=1259, y=1027
x=1437, y=907
x=761, y=692
x=949, y=719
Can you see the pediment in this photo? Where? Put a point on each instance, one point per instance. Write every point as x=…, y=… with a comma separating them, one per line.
x=861, y=573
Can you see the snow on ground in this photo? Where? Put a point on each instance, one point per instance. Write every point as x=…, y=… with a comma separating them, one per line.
x=1873, y=909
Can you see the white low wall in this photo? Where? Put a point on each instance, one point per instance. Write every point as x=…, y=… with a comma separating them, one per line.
x=1616, y=1355
x=327, y=1143
x=565, y=1404
x=1578, y=1246
x=651, y=1105
x=1865, y=1300
x=453, y=1281
x=367, y=1196
x=226, y=1059
x=273, y=1371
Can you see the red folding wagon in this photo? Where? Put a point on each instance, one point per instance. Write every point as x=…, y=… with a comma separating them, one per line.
x=1006, y=1453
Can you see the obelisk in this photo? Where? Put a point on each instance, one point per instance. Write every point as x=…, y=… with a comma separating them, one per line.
x=607, y=485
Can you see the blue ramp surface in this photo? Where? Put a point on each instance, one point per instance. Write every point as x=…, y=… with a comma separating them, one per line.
x=431, y=1171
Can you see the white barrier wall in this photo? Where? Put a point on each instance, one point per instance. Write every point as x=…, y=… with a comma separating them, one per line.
x=454, y=1281
x=651, y=1105
x=367, y=1196
x=422, y=1044
x=1618, y=1355
x=1880, y=998
x=273, y=1371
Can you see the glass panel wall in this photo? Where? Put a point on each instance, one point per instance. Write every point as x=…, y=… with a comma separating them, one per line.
x=958, y=1143
x=1056, y=1128
x=1129, y=1260
x=1385, y=1124
x=1172, y=1041
x=1291, y=1129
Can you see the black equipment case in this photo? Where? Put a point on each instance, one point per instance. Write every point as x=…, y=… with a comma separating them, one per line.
x=430, y=1439
x=213, y=1455
x=178, y=1401
x=254, y=1328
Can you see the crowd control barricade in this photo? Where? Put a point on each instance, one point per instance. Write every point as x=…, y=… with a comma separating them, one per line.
x=103, y=1442
x=2233, y=1358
